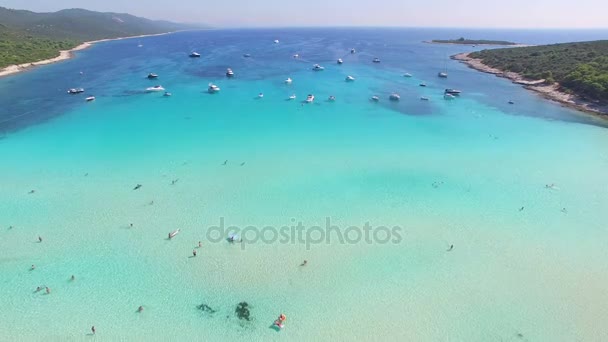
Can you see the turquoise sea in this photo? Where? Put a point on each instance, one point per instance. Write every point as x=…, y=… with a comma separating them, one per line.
x=500, y=208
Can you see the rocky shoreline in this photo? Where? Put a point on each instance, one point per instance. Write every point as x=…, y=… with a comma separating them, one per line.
x=551, y=92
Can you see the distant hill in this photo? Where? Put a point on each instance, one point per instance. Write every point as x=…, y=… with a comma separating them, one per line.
x=579, y=68
x=27, y=36
x=472, y=41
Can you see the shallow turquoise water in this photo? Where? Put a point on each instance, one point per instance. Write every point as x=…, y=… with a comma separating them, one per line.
x=446, y=172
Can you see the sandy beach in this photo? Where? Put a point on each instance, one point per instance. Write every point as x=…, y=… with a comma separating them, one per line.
x=551, y=92
x=64, y=55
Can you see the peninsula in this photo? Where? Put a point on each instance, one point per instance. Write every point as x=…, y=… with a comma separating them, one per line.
x=28, y=38
x=575, y=74
x=464, y=41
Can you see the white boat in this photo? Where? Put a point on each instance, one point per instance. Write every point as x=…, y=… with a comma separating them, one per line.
x=288, y=80
x=155, y=88
x=375, y=98
x=246, y=55
x=349, y=78
x=340, y=61
x=260, y=95
x=76, y=91
x=376, y=60
x=511, y=102
x=317, y=67
x=442, y=75
x=173, y=233
x=449, y=96
x=195, y=54
x=352, y=50
x=90, y=98
x=292, y=97
x=331, y=98
x=394, y=97
x=310, y=98
x=424, y=98
x=276, y=41
x=167, y=94
x=213, y=88
x=422, y=84
x=407, y=74
x=296, y=56
x=152, y=76
x=229, y=72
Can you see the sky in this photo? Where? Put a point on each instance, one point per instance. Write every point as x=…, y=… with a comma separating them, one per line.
x=399, y=13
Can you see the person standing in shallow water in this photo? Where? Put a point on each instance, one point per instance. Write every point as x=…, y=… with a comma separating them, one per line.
x=194, y=252
x=93, y=330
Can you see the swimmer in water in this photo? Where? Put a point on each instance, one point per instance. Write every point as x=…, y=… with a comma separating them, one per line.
x=521, y=209
x=243, y=163
x=225, y=162
x=32, y=191
x=137, y=187
x=38, y=289
x=33, y=267
x=194, y=252
x=200, y=244
x=48, y=290
x=564, y=210
x=151, y=203
x=174, y=181
x=450, y=249
x=304, y=263
x=39, y=239
x=72, y=278
x=140, y=309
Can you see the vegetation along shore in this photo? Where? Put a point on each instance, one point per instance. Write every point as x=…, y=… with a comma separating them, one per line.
x=574, y=74
x=28, y=39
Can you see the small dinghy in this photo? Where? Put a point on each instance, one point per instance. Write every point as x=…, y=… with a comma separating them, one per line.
x=90, y=98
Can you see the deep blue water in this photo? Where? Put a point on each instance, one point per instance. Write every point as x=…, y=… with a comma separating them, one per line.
x=38, y=95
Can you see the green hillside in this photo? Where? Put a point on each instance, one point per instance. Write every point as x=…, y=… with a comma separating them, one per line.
x=579, y=68
x=27, y=36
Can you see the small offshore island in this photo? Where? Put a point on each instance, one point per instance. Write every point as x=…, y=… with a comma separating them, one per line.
x=574, y=74
x=464, y=41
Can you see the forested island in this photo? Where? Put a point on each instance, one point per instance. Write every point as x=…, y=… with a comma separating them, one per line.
x=578, y=68
x=575, y=74
x=465, y=41
x=27, y=36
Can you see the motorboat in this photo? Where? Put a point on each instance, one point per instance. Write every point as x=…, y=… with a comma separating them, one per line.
x=394, y=97
x=407, y=74
x=296, y=56
x=376, y=60
x=152, y=76
x=424, y=98
x=317, y=67
x=349, y=78
x=76, y=91
x=422, y=84
x=292, y=97
x=155, y=88
x=195, y=55
x=448, y=96
x=167, y=94
x=442, y=75
x=213, y=88
x=229, y=72
x=340, y=61
x=375, y=98
x=331, y=98
x=276, y=41
x=90, y=98
x=452, y=91
x=173, y=233
x=288, y=80
x=246, y=55
x=352, y=50
x=511, y=102
x=310, y=98
x=260, y=95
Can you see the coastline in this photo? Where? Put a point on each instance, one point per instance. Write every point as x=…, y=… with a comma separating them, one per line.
x=482, y=44
x=550, y=92
x=66, y=54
